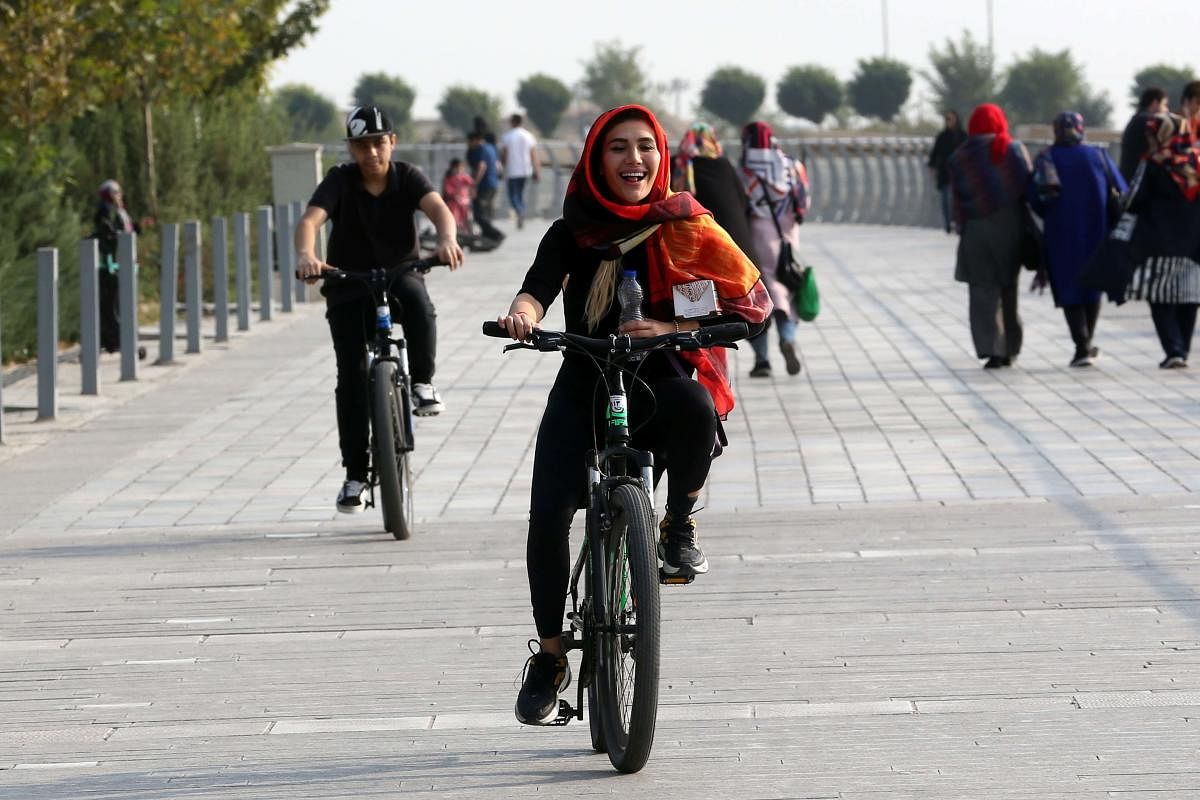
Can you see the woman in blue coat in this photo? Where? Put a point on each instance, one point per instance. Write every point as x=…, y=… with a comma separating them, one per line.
x=1069, y=190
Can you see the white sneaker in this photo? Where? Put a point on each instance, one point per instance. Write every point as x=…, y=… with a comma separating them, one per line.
x=350, y=499
x=428, y=401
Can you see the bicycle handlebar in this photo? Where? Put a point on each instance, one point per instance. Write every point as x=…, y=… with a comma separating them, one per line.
x=417, y=265
x=722, y=335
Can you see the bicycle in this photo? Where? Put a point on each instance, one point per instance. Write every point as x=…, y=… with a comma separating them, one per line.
x=389, y=392
x=616, y=623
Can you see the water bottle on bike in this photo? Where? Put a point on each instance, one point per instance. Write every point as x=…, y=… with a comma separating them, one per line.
x=629, y=295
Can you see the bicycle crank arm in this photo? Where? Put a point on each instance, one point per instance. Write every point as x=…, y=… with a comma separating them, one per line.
x=565, y=713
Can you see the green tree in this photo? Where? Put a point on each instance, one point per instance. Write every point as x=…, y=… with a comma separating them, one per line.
x=544, y=99
x=615, y=76
x=880, y=88
x=1169, y=78
x=1040, y=85
x=733, y=94
x=462, y=104
x=809, y=92
x=1096, y=108
x=390, y=93
x=963, y=75
x=307, y=114
x=270, y=38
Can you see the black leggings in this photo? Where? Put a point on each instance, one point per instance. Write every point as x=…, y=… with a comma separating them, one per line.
x=350, y=323
x=680, y=428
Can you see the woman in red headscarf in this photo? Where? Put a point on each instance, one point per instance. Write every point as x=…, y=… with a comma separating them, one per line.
x=619, y=214
x=988, y=175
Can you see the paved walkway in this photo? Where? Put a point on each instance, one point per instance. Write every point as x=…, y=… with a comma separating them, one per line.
x=928, y=580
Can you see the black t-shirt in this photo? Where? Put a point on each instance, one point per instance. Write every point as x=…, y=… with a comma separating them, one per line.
x=369, y=231
x=1134, y=145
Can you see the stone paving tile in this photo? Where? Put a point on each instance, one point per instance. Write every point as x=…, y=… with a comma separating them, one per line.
x=928, y=580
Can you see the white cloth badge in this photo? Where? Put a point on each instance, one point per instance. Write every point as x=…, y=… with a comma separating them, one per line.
x=694, y=300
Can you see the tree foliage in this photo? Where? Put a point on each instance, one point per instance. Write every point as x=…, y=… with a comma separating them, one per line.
x=1170, y=79
x=615, y=76
x=544, y=99
x=1096, y=108
x=963, y=75
x=462, y=104
x=809, y=92
x=733, y=94
x=880, y=88
x=307, y=114
x=1040, y=85
x=390, y=93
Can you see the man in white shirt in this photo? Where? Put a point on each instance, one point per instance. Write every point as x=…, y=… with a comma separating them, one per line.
x=518, y=154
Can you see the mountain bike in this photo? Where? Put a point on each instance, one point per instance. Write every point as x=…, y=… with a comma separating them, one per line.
x=615, y=623
x=389, y=393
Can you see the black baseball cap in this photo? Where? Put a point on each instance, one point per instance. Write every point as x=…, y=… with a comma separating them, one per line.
x=366, y=121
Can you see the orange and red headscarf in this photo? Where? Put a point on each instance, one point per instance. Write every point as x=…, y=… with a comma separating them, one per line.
x=988, y=118
x=688, y=245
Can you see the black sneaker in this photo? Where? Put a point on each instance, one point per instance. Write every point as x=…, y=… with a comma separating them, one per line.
x=350, y=498
x=762, y=369
x=789, y=357
x=545, y=676
x=677, y=547
x=1082, y=359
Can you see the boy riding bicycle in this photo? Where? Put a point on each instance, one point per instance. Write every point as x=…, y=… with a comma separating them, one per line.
x=372, y=202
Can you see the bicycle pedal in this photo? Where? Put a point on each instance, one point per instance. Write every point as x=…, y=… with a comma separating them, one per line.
x=674, y=580
x=565, y=713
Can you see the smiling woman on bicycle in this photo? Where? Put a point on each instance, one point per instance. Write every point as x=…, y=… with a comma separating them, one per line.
x=620, y=215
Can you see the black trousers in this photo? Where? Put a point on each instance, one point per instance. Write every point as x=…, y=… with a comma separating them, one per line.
x=995, y=324
x=1174, y=323
x=680, y=428
x=1081, y=322
x=110, y=321
x=350, y=325
x=481, y=210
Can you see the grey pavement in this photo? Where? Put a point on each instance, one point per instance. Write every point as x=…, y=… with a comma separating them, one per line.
x=928, y=580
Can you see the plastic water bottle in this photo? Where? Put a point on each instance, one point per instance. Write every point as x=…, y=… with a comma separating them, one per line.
x=383, y=318
x=629, y=295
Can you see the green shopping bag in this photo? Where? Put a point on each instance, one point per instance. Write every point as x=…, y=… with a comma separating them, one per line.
x=807, y=299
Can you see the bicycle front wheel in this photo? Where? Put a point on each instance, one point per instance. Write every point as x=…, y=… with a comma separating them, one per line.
x=627, y=683
x=390, y=451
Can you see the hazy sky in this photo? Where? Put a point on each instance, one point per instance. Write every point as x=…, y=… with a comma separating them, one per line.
x=434, y=45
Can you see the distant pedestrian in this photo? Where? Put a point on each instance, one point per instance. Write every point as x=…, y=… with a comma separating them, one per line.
x=1134, y=143
x=110, y=220
x=947, y=141
x=988, y=175
x=1165, y=238
x=518, y=152
x=483, y=166
x=1069, y=190
x=457, y=187
x=777, y=188
x=700, y=167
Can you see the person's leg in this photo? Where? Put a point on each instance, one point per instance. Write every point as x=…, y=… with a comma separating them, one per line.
x=946, y=220
x=1185, y=317
x=760, y=344
x=1014, y=332
x=787, y=343
x=1167, y=328
x=984, y=312
x=1077, y=323
x=110, y=324
x=483, y=213
x=516, y=196
x=419, y=319
x=1092, y=310
x=348, y=324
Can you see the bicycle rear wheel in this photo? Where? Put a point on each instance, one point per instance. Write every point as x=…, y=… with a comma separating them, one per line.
x=391, y=454
x=627, y=680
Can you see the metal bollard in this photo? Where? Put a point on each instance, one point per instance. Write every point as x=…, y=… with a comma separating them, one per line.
x=192, y=284
x=89, y=316
x=283, y=231
x=127, y=294
x=47, y=329
x=220, y=265
x=266, y=261
x=301, y=286
x=241, y=261
x=168, y=291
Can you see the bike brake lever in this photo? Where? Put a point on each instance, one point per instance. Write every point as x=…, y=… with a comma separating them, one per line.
x=518, y=346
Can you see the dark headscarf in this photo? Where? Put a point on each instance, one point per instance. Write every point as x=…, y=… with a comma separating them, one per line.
x=1068, y=128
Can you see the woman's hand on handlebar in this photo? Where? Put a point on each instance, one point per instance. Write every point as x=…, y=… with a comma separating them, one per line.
x=309, y=267
x=647, y=328
x=449, y=253
x=519, y=325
